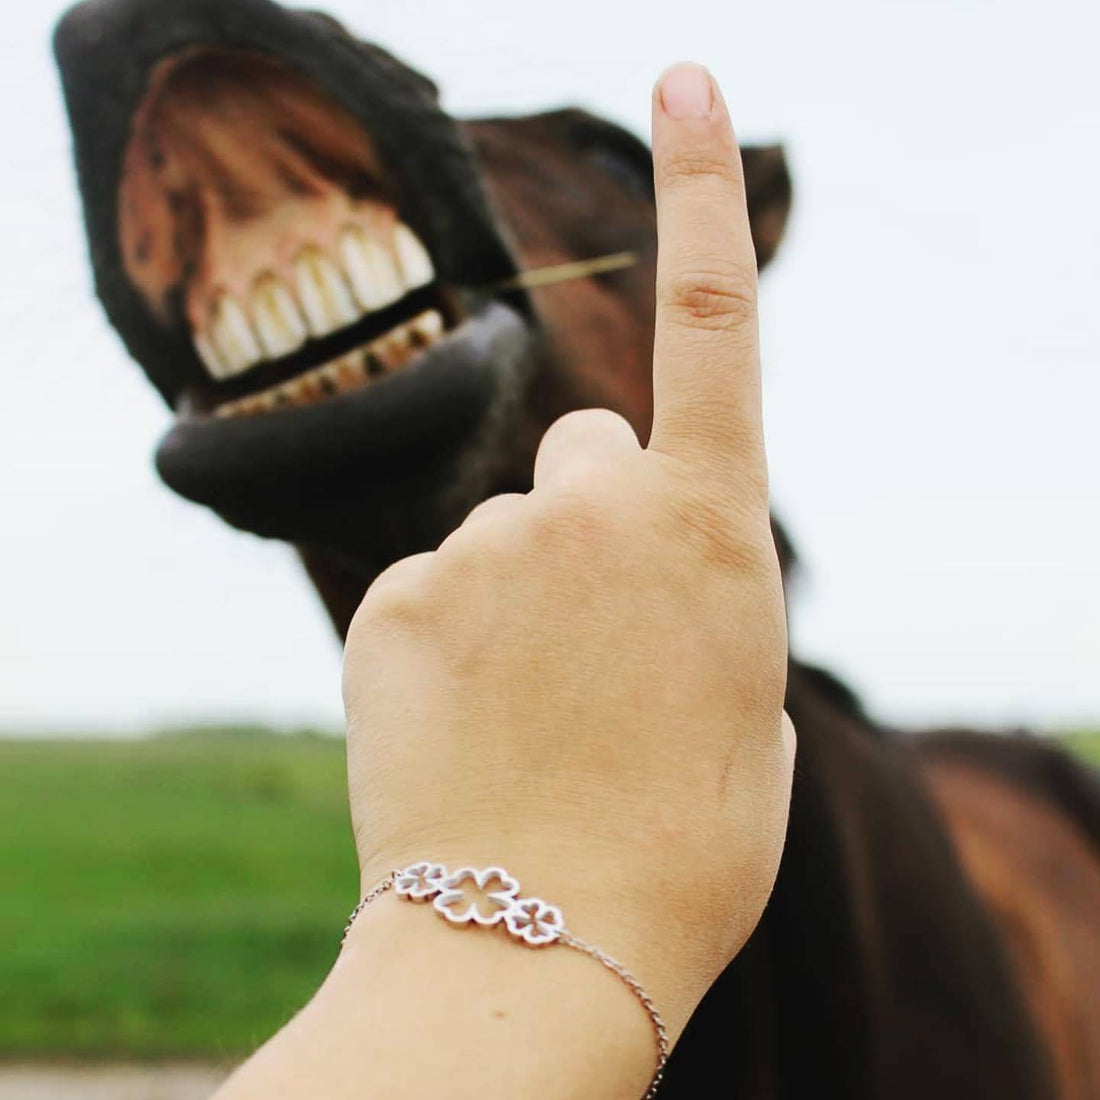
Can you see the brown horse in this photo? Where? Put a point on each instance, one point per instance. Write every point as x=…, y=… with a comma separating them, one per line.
x=315, y=266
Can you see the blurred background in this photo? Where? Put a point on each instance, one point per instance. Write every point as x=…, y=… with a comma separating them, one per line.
x=932, y=368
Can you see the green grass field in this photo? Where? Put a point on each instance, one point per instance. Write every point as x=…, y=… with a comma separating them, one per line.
x=176, y=896
x=179, y=896
x=1086, y=745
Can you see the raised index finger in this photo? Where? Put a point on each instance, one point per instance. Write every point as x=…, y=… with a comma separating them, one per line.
x=706, y=371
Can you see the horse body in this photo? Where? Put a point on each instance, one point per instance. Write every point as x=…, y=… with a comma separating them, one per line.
x=1024, y=820
x=934, y=929
x=883, y=972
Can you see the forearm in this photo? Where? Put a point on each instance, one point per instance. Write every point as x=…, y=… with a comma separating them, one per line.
x=415, y=1005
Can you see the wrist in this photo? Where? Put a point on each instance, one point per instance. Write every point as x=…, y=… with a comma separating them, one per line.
x=603, y=903
x=422, y=1006
x=493, y=991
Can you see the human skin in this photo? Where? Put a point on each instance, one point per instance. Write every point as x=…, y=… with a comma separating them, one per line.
x=583, y=684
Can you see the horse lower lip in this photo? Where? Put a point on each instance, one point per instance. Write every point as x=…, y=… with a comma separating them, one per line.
x=307, y=452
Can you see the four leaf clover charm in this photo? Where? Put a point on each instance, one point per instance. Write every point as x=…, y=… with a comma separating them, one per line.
x=534, y=921
x=420, y=881
x=486, y=896
x=472, y=895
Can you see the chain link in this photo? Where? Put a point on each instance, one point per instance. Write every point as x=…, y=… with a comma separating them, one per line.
x=375, y=891
x=567, y=939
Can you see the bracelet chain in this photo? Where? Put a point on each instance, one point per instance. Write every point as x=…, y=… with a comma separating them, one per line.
x=566, y=939
x=374, y=892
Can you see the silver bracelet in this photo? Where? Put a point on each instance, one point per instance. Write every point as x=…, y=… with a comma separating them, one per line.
x=490, y=896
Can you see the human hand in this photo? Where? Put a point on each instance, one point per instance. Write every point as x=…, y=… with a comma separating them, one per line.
x=584, y=683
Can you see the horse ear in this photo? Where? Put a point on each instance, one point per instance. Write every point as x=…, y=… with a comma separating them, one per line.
x=768, y=187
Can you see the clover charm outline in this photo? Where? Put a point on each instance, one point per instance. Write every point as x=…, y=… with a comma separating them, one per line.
x=534, y=921
x=419, y=881
x=453, y=903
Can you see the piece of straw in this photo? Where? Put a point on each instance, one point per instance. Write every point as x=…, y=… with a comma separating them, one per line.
x=560, y=273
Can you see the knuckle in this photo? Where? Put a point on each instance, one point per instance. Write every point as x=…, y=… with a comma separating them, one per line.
x=395, y=601
x=723, y=537
x=576, y=513
x=581, y=427
x=587, y=419
x=689, y=168
x=374, y=613
x=498, y=505
x=712, y=299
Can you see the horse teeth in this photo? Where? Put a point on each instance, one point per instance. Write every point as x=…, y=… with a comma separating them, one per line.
x=347, y=372
x=279, y=322
x=323, y=293
x=304, y=390
x=416, y=264
x=316, y=297
x=371, y=270
x=232, y=337
x=351, y=371
x=209, y=356
x=392, y=351
x=429, y=325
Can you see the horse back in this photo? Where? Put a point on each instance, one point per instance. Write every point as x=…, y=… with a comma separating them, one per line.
x=1024, y=817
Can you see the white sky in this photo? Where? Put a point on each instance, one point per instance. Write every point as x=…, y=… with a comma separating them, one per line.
x=931, y=341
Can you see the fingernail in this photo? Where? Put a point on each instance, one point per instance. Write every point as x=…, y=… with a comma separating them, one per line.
x=686, y=91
